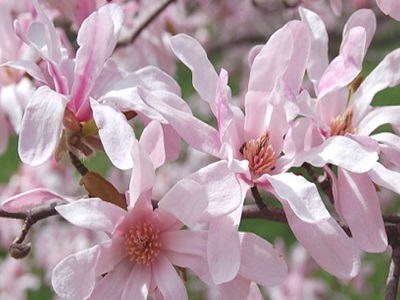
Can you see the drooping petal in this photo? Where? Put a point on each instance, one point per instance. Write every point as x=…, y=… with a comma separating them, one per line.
x=167, y=279
x=115, y=133
x=260, y=261
x=27, y=200
x=328, y=244
x=196, y=133
x=224, y=265
x=94, y=214
x=340, y=151
x=377, y=117
x=385, y=177
x=301, y=195
x=360, y=208
x=192, y=54
x=138, y=283
x=41, y=126
x=383, y=76
x=190, y=197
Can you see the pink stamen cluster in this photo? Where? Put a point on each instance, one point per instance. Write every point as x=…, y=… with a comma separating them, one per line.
x=142, y=245
x=260, y=154
x=341, y=125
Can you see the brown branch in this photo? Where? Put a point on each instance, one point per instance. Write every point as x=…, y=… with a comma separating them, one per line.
x=270, y=213
x=392, y=282
x=146, y=22
x=323, y=182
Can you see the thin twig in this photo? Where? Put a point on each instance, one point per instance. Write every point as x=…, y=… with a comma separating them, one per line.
x=257, y=198
x=150, y=18
x=18, y=249
x=79, y=166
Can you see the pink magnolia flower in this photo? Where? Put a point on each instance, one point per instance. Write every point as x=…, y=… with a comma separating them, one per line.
x=91, y=85
x=15, y=90
x=144, y=244
x=249, y=147
x=342, y=112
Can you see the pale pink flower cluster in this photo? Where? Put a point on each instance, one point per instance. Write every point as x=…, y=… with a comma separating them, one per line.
x=300, y=111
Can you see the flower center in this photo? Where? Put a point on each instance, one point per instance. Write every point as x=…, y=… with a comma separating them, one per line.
x=342, y=124
x=141, y=242
x=260, y=155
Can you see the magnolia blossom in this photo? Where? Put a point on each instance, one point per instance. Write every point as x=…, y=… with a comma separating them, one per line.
x=77, y=90
x=250, y=147
x=340, y=111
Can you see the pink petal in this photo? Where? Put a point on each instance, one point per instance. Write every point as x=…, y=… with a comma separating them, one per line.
x=112, y=285
x=190, y=197
x=240, y=288
x=167, y=279
x=138, y=282
x=52, y=49
x=97, y=38
x=171, y=142
x=377, y=117
x=224, y=265
x=364, y=18
x=185, y=242
x=82, y=267
x=336, y=7
x=328, y=244
x=196, y=133
x=41, y=126
x=115, y=133
x=340, y=151
x=143, y=174
x=360, y=208
x=260, y=261
x=29, y=67
x=94, y=214
x=383, y=76
x=385, y=177
x=345, y=67
x=4, y=134
x=299, y=194
x=154, y=79
x=192, y=54
x=224, y=191
x=152, y=140
x=28, y=200
x=390, y=7
x=224, y=113
x=319, y=45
